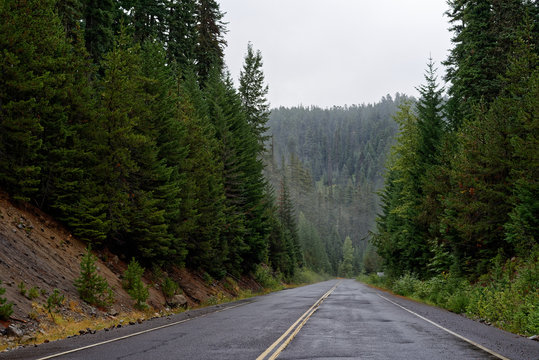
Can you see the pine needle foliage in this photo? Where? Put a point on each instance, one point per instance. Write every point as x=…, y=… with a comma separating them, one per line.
x=6, y=308
x=92, y=287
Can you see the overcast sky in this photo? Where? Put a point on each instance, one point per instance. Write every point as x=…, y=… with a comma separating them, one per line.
x=337, y=52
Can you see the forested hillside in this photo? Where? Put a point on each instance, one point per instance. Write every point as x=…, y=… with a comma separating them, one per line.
x=332, y=162
x=119, y=118
x=461, y=197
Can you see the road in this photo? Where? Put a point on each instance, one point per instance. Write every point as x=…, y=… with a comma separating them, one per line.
x=335, y=319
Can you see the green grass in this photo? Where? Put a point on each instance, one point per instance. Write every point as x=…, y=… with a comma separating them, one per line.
x=508, y=297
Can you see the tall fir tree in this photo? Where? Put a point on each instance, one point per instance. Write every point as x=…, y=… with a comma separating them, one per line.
x=182, y=35
x=210, y=42
x=484, y=33
x=253, y=92
x=490, y=169
x=147, y=18
x=203, y=201
x=99, y=16
x=34, y=93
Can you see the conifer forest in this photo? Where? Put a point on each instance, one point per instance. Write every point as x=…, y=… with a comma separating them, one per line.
x=120, y=119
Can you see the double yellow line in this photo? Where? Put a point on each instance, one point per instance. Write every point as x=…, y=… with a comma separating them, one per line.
x=293, y=330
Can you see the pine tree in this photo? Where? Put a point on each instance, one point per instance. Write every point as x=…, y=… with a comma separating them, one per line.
x=484, y=33
x=491, y=176
x=99, y=18
x=182, y=33
x=70, y=14
x=35, y=93
x=346, y=265
x=92, y=287
x=132, y=283
x=287, y=218
x=147, y=18
x=399, y=239
x=6, y=308
x=253, y=93
x=242, y=175
x=129, y=168
x=164, y=126
x=202, y=215
x=430, y=120
x=210, y=42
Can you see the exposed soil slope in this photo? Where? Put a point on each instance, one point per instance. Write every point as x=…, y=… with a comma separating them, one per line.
x=39, y=252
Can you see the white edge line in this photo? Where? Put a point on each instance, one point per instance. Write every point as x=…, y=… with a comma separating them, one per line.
x=447, y=330
x=137, y=333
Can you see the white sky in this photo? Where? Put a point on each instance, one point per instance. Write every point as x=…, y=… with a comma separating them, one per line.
x=337, y=52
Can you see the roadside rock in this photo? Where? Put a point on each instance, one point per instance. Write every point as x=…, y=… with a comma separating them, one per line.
x=177, y=301
x=14, y=330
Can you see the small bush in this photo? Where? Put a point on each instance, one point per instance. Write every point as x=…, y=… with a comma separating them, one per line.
x=54, y=301
x=307, y=276
x=22, y=288
x=33, y=293
x=406, y=285
x=92, y=287
x=6, y=308
x=506, y=297
x=169, y=287
x=264, y=276
x=132, y=283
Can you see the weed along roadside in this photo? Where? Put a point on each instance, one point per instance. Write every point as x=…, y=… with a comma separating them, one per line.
x=506, y=298
x=60, y=317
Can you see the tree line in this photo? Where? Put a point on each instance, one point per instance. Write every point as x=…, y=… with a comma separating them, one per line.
x=461, y=191
x=332, y=162
x=119, y=118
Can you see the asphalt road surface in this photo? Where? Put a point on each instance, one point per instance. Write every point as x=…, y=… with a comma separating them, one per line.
x=337, y=319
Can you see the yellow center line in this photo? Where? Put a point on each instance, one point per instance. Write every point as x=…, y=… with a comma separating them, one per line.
x=301, y=321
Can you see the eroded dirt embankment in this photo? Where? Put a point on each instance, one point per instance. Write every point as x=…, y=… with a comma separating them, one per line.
x=37, y=252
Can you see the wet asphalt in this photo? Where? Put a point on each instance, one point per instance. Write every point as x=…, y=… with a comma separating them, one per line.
x=353, y=322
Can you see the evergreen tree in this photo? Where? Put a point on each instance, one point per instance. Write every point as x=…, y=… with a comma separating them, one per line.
x=210, y=42
x=99, y=18
x=132, y=283
x=164, y=126
x=484, y=33
x=287, y=218
x=6, y=308
x=92, y=287
x=182, y=33
x=35, y=92
x=242, y=175
x=203, y=202
x=70, y=14
x=490, y=169
x=399, y=240
x=253, y=93
x=522, y=101
x=430, y=120
x=129, y=170
x=147, y=18
x=346, y=265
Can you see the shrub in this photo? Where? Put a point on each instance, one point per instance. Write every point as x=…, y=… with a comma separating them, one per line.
x=33, y=293
x=6, y=308
x=54, y=301
x=406, y=285
x=264, y=276
x=132, y=282
x=169, y=287
x=307, y=276
x=93, y=288
x=22, y=288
